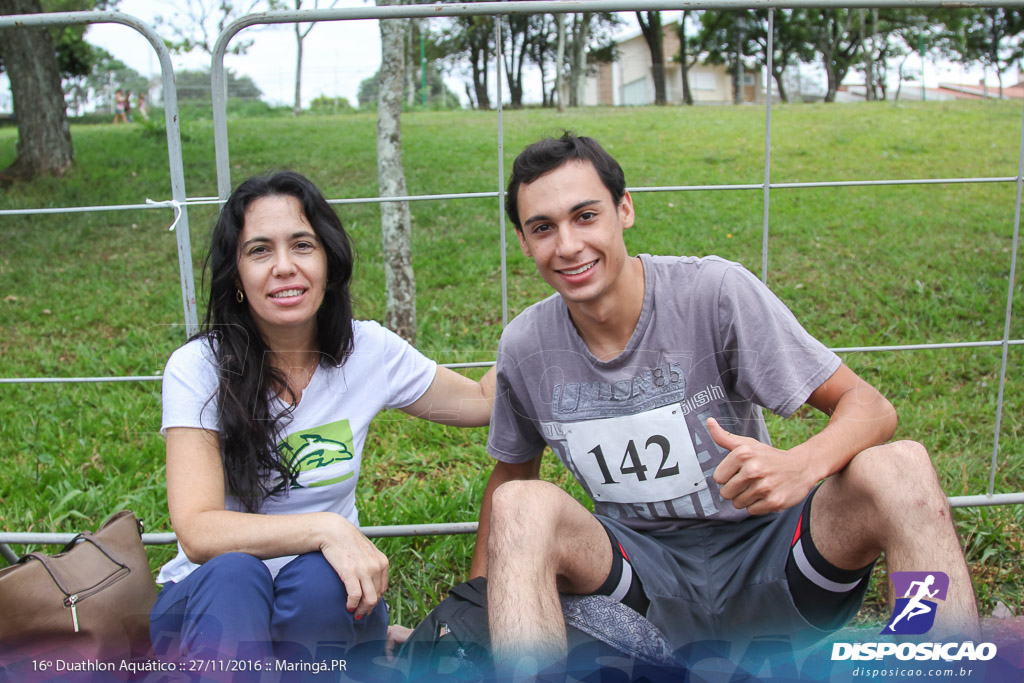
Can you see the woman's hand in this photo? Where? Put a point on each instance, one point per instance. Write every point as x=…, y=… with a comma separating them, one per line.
x=360, y=565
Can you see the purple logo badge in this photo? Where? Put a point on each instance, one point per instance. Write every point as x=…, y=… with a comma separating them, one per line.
x=916, y=596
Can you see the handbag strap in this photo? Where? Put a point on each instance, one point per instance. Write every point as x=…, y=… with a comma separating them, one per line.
x=85, y=537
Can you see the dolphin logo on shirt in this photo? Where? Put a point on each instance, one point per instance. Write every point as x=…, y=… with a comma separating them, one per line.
x=319, y=452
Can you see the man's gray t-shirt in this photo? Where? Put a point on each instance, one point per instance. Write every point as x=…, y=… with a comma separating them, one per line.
x=712, y=341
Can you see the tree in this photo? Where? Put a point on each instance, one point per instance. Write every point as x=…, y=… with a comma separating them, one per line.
x=591, y=40
x=438, y=92
x=516, y=34
x=835, y=35
x=478, y=37
x=300, y=36
x=30, y=59
x=395, y=223
x=194, y=84
x=988, y=36
x=689, y=53
x=791, y=44
x=725, y=38
x=894, y=35
x=652, y=30
x=322, y=104
x=579, y=32
x=195, y=24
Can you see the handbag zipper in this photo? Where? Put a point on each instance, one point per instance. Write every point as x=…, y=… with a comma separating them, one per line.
x=70, y=602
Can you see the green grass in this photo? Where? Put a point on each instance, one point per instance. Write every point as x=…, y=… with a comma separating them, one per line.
x=98, y=293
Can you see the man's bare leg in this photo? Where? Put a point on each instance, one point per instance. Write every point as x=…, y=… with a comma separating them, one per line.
x=888, y=499
x=541, y=542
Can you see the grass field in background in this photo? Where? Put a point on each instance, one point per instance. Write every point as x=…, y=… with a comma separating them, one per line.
x=98, y=293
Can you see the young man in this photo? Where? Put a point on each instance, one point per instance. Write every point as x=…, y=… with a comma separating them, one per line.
x=646, y=377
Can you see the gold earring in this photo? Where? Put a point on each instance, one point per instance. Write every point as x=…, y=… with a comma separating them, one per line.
x=239, y=296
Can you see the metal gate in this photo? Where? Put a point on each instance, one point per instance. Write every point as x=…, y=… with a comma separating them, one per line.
x=180, y=202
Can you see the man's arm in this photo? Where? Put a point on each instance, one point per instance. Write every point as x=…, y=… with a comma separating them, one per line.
x=502, y=472
x=764, y=479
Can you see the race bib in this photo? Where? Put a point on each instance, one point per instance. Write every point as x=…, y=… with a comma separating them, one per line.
x=643, y=458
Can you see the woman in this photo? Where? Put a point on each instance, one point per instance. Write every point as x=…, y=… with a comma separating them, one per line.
x=265, y=414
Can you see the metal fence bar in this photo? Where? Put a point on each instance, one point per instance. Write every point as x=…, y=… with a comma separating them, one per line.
x=168, y=537
x=106, y=207
x=487, y=364
x=409, y=530
x=1009, y=316
x=157, y=378
x=201, y=201
x=770, y=51
x=188, y=294
x=503, y=256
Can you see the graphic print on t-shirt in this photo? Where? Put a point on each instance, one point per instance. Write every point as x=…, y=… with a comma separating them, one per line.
x=637, y=441
x=317, y=448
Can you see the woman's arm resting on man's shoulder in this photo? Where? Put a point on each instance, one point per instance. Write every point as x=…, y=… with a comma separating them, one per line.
x=195, y=500
x=455, y=399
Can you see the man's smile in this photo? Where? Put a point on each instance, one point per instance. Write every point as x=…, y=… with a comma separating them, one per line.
x=578, y=271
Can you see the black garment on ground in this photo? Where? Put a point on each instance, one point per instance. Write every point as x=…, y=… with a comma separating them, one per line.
x=453, y=642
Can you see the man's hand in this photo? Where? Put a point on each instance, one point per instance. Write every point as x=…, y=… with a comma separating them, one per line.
x=758, y=477
x=397, y=635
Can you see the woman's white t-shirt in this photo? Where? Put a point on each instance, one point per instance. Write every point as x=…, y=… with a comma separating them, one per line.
x=326, y=431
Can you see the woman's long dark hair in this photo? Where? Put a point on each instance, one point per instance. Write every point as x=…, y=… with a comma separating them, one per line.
x=249, y=426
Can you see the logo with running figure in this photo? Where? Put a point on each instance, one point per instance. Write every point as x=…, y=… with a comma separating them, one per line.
x=914, y=613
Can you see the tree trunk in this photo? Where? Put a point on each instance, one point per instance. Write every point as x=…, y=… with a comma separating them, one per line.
x=833, y=83
x=651, y=28
x=876, y=82
x=400, y=284
x=410, y=62
x=479, y=56
x=44, y=138
x=483, y=98
x=560, y=62
x=737, y=73
x=684, y=64
x=578, y=59
x=780, y=84
x=868, y=64
x=297, y=107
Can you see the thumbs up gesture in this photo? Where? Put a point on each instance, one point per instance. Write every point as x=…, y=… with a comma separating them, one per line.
x=757, y=476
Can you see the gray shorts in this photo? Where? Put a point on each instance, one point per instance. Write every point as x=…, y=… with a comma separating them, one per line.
x=726, y=580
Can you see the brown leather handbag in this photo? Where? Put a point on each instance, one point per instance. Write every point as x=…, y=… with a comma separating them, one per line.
x=89, y=602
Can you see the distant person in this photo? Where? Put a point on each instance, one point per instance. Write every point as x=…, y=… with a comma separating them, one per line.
x=265, y=413
x=141, y=107
x=128, y=105
x=646, y=376
x=119, y=107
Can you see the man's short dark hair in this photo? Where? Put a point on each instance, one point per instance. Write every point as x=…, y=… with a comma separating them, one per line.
x=549, y=154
